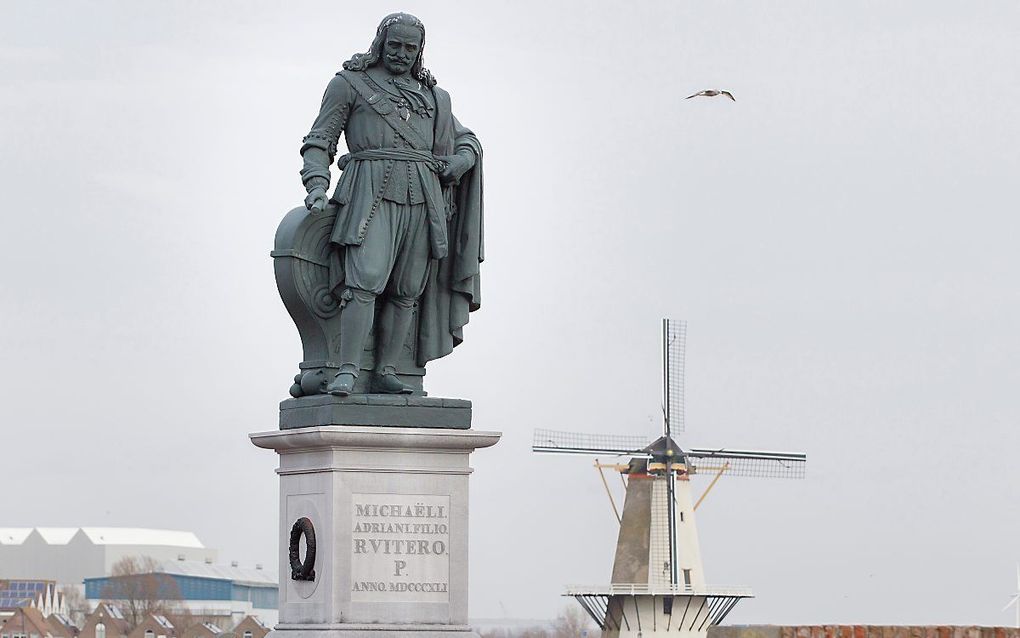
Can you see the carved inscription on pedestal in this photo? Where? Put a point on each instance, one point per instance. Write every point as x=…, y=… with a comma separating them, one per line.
x=400, y=548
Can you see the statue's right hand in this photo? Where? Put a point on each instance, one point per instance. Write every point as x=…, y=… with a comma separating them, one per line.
x=316, y=200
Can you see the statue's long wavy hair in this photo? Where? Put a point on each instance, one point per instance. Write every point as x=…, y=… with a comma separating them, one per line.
x=361, y=61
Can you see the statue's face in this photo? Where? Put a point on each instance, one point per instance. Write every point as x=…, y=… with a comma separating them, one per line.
x=400, y=50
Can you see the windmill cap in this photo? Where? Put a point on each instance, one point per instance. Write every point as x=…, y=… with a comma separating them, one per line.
x=665, y=447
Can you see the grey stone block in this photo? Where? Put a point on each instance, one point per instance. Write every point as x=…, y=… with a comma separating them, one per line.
x=386, y=399
x=429, y=402
x=382, y=410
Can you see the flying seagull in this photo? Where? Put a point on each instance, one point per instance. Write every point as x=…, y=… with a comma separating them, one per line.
x=711, y=93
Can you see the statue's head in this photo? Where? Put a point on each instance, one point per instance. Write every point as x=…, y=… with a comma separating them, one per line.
x=399, y=45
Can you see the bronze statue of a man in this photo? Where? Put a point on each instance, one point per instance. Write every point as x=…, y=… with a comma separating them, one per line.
x=408, y=206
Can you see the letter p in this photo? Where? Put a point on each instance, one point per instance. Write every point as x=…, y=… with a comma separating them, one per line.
x=399, y=565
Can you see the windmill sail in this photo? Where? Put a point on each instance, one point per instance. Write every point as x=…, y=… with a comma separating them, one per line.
x=748, y=463
x=674, y=345
x=559, y=442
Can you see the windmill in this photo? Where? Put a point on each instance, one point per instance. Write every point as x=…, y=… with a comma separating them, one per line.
x=658, y=585
x=1015, y=600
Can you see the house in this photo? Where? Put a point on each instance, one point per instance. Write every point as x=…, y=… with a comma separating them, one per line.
x=154, y=626
x=41, y=594
x=203, y=630
x=26, y=622
x=250, y=627
x=107, y=621
x=62, y=627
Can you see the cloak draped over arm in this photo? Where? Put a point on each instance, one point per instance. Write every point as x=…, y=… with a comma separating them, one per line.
x=453, y=289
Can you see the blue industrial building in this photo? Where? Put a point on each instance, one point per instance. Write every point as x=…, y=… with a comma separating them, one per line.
x=204, y=588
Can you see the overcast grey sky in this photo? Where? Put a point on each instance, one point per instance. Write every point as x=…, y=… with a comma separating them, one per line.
x=842, y=239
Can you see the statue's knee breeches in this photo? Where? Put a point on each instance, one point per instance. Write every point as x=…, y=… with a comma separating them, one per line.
x=403, y=303
x=365, y=270
x=394, y=254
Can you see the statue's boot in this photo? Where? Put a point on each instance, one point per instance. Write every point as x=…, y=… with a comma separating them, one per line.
x=390, y=384
x=394, y=325
x=342, y=384
x=355, y=324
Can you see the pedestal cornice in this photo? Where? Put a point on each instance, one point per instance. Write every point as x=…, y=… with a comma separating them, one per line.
x=344, y=437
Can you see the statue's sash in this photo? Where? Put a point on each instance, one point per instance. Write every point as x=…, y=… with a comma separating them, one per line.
x=381, y=105
x=434, y=197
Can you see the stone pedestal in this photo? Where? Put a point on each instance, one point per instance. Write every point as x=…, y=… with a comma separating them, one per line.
x=376, y=409
x=389, y=509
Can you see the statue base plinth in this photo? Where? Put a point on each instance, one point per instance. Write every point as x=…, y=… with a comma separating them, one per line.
x=388, y=507
x=385, y=410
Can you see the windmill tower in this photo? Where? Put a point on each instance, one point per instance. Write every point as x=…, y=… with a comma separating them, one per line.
x=658, y=586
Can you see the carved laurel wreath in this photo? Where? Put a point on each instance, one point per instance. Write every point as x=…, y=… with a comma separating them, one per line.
x=302, y=570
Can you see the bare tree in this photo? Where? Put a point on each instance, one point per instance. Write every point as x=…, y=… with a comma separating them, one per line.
x=573, y=623
x=515, y=632
x=138, y=587
x=570, y=623
x=77, y=605
x=181, y=618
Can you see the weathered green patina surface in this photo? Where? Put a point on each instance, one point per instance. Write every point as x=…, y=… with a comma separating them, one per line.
x=380, y=275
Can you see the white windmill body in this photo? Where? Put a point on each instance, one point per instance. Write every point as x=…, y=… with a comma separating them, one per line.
x=643, y=597
x=658, y=586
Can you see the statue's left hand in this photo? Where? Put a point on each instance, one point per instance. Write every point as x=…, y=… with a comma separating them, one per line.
x=456, y=166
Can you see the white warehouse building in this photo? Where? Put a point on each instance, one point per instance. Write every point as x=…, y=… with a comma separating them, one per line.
x=69, y=555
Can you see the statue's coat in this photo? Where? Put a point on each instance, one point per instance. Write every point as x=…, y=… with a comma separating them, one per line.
x=453, y=289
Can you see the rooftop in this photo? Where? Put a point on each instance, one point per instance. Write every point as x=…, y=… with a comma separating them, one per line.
x=200, y=569
x=102, y=536
x=14, y=535
x=21, y=593
x=163, y=622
